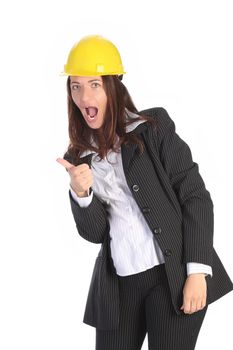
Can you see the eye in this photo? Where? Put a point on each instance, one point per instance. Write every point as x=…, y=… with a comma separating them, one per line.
x=96, y=84
x=75, y=87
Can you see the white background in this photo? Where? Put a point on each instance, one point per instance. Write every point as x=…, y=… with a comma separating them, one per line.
x=178, y=55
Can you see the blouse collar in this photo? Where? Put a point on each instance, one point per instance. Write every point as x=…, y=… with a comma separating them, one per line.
x=129, y=128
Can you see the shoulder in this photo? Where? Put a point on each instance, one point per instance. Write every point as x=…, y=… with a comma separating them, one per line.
x=163, y=120
x=67, y=156
x=70, y=158
x=159, y=113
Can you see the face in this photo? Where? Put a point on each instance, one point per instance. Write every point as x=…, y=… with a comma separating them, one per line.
x=89, y=96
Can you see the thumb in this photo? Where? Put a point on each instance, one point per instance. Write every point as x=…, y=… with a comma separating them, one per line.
x=65, y=163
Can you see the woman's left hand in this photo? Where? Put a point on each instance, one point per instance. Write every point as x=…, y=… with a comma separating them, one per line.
x=194, y=293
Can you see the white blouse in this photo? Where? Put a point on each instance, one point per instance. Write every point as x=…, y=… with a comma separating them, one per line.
x=134, y=248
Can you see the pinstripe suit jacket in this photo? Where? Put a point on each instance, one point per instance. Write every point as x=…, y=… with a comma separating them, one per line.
x=168, y=188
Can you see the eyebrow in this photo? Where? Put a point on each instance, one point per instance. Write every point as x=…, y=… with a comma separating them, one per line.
x=76, y=82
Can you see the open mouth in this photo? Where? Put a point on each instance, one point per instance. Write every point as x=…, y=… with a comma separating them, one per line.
x=91, y=112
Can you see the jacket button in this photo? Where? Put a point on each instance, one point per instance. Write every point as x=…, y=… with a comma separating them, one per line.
x=146, y=210
x=157, y=230
x=135, y=188
x=167, y=252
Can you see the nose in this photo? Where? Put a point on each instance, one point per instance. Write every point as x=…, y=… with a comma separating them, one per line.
x=85, y=95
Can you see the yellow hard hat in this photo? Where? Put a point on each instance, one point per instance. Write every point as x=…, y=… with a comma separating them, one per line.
x=93, y=55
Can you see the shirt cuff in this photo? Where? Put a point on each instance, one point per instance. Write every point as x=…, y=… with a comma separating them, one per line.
x=82, y=201
x=193, y=267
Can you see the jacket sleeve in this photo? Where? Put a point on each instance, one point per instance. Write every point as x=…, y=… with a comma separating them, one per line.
x=195, y=200
x=92, y=220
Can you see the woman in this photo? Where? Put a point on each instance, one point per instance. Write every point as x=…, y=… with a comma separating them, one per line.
x=136, y=190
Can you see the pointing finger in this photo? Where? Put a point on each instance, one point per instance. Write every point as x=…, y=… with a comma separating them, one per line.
x=65, y=163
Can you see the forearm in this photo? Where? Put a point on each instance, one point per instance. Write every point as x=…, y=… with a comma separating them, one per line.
x=91, y=220
x=195, y=200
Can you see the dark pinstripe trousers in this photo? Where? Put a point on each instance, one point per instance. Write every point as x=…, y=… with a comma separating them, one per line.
x=146, y=306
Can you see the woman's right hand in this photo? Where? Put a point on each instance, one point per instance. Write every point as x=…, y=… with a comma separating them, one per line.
x=81, y=176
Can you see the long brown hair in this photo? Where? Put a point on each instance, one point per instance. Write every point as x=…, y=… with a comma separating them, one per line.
x=118, y=98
